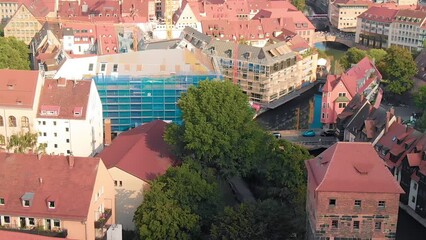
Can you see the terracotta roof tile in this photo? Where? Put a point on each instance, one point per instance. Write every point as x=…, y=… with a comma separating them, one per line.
x=64, y=99
x=141, y=151
x=18, y=88
x=351, y=167
x=47, y=176
x=414, y=159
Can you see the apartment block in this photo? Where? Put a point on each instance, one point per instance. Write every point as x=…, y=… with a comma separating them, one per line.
x=7, y=9
x=62, y=196
x=362, y=78
x=382, y=27
x=69, y=118
x=263, y=73
x=343, y=13
x=351, y=194
x=374, y=27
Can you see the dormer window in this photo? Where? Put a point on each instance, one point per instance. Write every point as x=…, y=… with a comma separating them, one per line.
x=51, y=204
x=49, y=110
x=2, y=202
x=27, y=199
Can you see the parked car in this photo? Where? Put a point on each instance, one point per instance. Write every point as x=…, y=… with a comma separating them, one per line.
x=328, y=133
x=309, y=133
x=277, y=135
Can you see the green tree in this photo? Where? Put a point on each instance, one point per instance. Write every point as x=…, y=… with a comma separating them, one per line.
x=218, y=128
x=398, y=68
x=13, y=54
x=267, y=220
x=352, y=56
x=377, y=54
x=420, y=98
x=25, y=142
x=282, y=177
x=299, y=4
x=179, y=205
x=421, y=123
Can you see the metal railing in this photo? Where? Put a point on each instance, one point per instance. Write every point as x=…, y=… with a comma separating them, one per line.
x=37, y=230
x=100, y=223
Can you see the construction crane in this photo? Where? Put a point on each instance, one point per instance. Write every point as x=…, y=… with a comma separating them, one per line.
x=169, y=18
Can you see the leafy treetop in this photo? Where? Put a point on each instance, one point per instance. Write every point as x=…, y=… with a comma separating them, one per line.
x=13, y=54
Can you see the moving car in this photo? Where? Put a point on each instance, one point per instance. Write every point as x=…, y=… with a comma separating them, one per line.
x=309, y=133
x=328, y=133
x=277, y=135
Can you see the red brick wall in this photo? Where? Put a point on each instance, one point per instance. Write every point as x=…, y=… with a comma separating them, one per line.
x=346, y=213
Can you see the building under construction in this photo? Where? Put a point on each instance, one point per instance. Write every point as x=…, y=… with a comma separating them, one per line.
x=138, y=87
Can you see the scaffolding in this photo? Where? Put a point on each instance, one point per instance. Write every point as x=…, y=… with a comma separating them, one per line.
x=130, y=101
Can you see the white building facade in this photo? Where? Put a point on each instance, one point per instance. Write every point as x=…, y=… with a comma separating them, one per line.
x=73, y=126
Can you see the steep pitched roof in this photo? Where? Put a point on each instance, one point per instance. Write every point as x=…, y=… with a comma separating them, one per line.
x=47, y=178
x=18, y=88
x=351, y=167
x=69, y=97
x=140, y=152
x=357, y=72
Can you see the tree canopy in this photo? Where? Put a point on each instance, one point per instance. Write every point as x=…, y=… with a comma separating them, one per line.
x=264, y=220
x=218, y=128
x=299, y=4
x=13, y=54
x=399, y=68
x=25, y=142
x=352, y=56
x=420, y=98
x=179, y=204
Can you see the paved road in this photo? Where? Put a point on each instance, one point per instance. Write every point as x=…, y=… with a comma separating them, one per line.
x=317, y=141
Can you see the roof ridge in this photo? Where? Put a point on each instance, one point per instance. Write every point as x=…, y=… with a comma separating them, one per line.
x=328, y=168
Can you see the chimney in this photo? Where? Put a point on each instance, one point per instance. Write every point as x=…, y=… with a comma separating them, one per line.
x=40, y=180
x=388, y=117
x=39, y=156
x=107, y=132
x=399, y=120
x=70, y=161
x=361, y=97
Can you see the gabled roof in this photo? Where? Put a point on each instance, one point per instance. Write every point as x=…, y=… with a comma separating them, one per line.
x=67, y=96
x=141, y=152
x=357, y=72
x=379, y=14
x=18, y=88
x=48, y=178
x=351, y=167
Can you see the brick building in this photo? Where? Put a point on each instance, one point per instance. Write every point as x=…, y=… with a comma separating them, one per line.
x=351, y=194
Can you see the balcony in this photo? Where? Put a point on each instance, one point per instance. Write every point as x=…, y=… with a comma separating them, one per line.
x=56, y=232
x=103, y=219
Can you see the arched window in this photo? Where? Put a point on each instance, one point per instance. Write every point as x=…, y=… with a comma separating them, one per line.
x=2, y=140
x=12, y=121
x=25, y=122
x=1, y=121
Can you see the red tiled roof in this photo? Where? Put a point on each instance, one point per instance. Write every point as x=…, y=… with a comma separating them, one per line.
x=140, y=152
x=330, y=83
x=370, y=128
x=39, y=8
x=414, y=159
x=107, y=39
x=379, y=14
x=351, y=167
x=48, y=176
x=75, y=94
x=18, y=88
x=357, y=72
